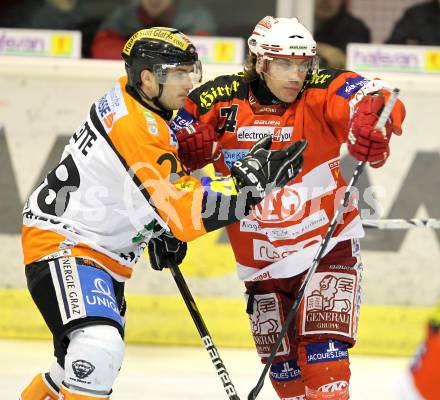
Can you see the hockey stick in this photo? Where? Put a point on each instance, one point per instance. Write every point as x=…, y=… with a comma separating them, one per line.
x=400, y=223
x=203, y=332
x=342, y=205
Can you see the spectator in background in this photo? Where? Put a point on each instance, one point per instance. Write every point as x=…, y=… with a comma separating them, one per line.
x=420, y=24
x=335, y=27
x=81, y=15
x=421, y=380
x=17, y=13
x=186, y=15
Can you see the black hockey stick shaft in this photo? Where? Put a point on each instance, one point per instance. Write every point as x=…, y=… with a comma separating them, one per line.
x=342, y=205
x=203, y=332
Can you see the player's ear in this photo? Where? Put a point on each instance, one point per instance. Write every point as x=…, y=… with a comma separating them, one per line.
x=148, y=79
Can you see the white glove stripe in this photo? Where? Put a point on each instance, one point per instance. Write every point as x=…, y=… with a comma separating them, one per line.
x=155, y=254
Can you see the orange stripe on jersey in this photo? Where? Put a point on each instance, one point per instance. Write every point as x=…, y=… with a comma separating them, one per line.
x=82, y=250
x=39, y=389
x=39, y=243
x=150, y=154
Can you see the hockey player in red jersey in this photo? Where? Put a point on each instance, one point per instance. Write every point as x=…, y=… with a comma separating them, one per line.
x=282, y=94
x=118, y=184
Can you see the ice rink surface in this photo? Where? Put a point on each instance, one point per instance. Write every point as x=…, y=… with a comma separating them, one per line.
x=167, y=373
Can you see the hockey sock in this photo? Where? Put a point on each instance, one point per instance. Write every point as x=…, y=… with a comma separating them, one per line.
x=41, y=388
x=325, y=369
x=286, y=380
x=70, y=394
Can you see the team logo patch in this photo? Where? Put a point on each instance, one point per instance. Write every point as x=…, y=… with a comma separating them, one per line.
x=255, y=133
x=82, y=369
x=266, y=322
x=307, y=224
x=337, y=386
x=111, y=107
x=83, y=291
x=280, y=205
x=320, y=80
x=105, y=113
x=162, y=33
x=285, y=371
x=330, y=304
x=152, y=127
x=331, y=350
x=265, y=251
x=232, y=155
x=218, y=93
x=352, y=85
x=341, y=387
x=183, y=118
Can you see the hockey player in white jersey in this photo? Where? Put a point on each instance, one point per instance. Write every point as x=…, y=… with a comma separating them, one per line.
x=118, y=184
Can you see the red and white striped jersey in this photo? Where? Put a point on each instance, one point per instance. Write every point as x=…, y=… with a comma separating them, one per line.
x=281, y=236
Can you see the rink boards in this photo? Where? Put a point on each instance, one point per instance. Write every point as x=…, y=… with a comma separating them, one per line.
x=164, y=320
x=43, y=101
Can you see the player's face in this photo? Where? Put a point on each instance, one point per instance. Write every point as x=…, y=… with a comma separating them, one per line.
x=177, y=86
x=285, y=76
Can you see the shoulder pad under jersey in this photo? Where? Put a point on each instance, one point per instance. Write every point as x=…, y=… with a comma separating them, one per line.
x=323, y=78
x=222, y=88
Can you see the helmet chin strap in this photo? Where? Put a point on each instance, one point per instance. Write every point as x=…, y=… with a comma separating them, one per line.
x=155, y=99
x=163, y=111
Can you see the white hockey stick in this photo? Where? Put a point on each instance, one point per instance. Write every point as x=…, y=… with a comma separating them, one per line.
x=385, y=114
x=399, y=223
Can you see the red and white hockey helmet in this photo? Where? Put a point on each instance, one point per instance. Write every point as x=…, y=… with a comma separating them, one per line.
x=283, y=37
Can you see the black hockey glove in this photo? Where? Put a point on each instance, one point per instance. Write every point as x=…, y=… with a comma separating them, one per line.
x=164, y=249
x=263, y=170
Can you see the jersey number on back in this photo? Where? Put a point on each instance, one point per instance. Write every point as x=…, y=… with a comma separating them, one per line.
x=54, y=197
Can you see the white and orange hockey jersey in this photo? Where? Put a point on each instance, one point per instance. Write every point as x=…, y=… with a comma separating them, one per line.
x=118, y=178
x=280, y=238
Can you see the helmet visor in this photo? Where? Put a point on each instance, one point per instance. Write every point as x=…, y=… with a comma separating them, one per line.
x=178, y=73
x=288, y=68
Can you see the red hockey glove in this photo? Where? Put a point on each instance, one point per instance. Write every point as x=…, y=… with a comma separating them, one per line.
x=365, y=142
x=197, y=145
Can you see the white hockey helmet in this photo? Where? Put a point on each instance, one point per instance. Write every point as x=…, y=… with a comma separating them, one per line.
x=284, y=37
